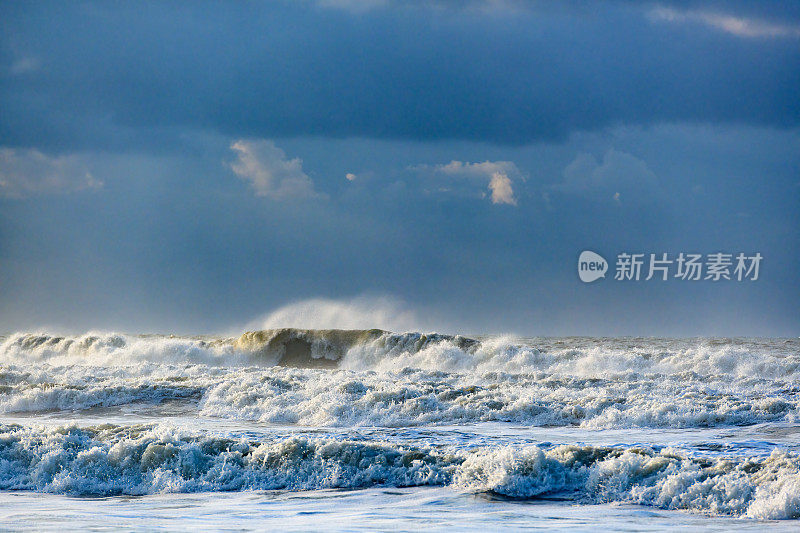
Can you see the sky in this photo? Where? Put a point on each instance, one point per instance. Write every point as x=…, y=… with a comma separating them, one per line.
x=205, y=167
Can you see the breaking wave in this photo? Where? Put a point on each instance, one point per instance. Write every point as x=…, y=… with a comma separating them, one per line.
x=378, y=378
x=145, y=459
x=300, y=348
x=379, y=350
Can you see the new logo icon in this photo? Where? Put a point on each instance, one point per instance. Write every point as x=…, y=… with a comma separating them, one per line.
x=591, y=266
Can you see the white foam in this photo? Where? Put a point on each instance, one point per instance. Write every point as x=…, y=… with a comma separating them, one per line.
x=111, y=459
x=414, y=379
x=110, y=349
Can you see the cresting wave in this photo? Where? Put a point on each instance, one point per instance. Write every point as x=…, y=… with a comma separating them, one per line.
x=375, y=349
x=299, y=348
x=145, y=459
x=376, y=378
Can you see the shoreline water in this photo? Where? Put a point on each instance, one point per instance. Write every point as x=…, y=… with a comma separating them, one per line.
x=434, y=509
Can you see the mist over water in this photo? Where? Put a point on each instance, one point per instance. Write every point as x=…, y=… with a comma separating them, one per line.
x=363, y=312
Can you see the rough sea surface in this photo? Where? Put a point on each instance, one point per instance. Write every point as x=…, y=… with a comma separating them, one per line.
x=348, y=429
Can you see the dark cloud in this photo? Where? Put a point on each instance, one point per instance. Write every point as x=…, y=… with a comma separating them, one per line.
x=489, y=142
x=117, y=75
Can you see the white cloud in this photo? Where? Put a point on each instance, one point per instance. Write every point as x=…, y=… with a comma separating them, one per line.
x=619, y=177
x=269, y=171
x=28, y=172
x=500, y=185
x=495, y=173
x=739, y=26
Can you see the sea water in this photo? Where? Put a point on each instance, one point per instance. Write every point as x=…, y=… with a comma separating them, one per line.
x=309, y=429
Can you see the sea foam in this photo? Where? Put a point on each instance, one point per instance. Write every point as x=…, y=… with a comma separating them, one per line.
x=377, y=378
x=144, y=459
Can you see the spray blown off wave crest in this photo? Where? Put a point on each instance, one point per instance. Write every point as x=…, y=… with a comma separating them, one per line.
x=378, y=378
x=143, y=459
x=299, y=348
x=375, y=349
x=357, y=313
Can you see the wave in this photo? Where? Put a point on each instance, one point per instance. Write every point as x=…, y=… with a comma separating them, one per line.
x=378, y=378
x=417, y=398
x=300, y=348
x=343, y=348
x=144, y=459
x=379, y=350
x=116, y=349
x=320, y=398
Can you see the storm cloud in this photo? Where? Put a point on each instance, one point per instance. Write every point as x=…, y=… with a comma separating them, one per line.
x=191, y=167
x=121, y=75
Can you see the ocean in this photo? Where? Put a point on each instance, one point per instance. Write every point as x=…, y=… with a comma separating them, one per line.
x=304, y=430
